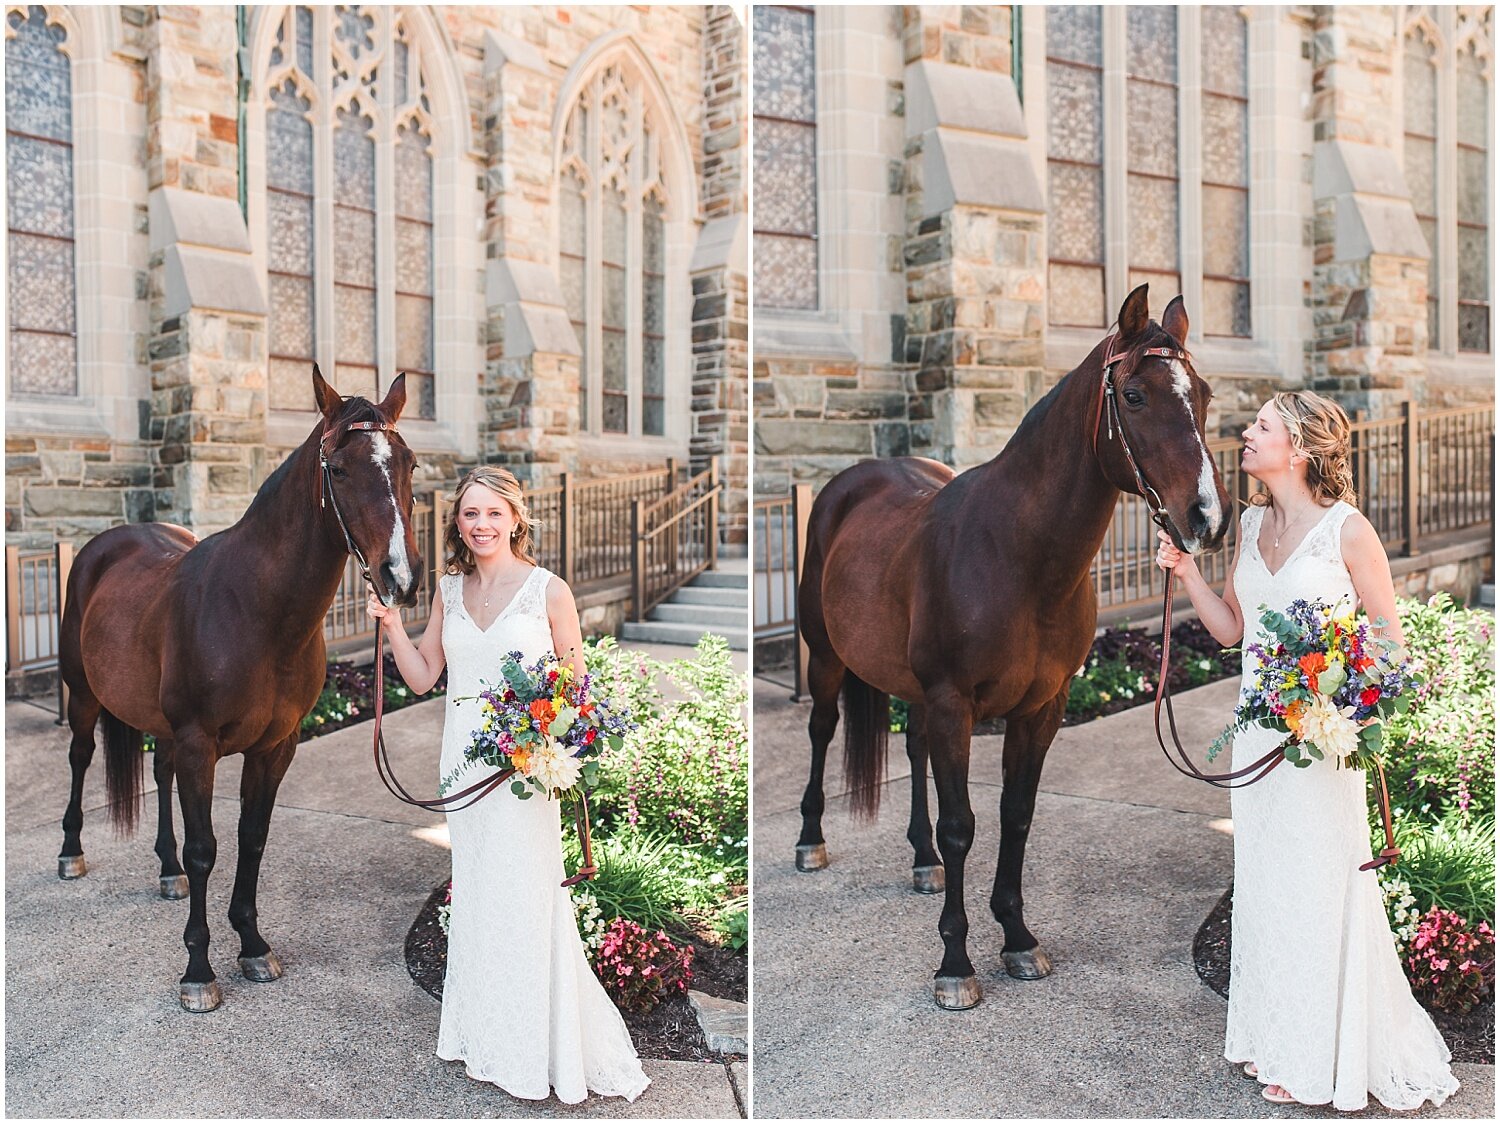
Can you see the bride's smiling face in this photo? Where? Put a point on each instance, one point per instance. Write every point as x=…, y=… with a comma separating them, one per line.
x=486, y=521
x=1268, y=445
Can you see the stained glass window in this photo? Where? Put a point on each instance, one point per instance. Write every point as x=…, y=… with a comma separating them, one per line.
x=1075, y=158
x=1226, y=173
x=414, y=350
x=612, y=253
x=1151, y=151
x=786, y=180
x=39, y=181
x=1473, y=203
x=1419, y=85
x=342, y=51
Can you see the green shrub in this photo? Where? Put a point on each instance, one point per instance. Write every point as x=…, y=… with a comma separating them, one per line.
x=1441, y=752
x=684, y=773
x=733, y=923
x=1449, y=864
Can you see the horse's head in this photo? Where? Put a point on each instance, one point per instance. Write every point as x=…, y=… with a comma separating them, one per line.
x=1158, y=414
x=370, y=469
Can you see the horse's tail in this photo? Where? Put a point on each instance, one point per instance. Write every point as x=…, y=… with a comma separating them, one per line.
x=124, y=765
x=867, y=727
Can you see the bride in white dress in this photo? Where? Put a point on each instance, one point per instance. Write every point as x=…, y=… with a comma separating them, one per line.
x=521, y=1006
x=1319, y=1008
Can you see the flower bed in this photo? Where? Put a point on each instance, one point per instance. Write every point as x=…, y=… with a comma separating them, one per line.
x=349, y=696
x=669, y=906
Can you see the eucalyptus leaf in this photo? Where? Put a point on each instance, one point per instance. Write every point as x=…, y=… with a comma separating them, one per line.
x=1331, y=680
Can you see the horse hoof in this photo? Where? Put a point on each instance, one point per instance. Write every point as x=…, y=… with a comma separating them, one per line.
x=811, y=856
x=1029, y=965
x=928, y=879
x=260, y=969
x=70, y=867
x=954, y=994
x=200, y=998
x=174, y=886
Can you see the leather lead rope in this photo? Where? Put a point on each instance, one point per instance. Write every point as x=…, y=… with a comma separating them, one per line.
x=475, y=792
x=1260, y=768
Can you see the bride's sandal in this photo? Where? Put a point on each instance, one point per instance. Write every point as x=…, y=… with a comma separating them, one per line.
x=1249, y=1070
x=1279, y=1096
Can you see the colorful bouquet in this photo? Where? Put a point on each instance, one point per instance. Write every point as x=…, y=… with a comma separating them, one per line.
x=1326, y=681
x=545, y=724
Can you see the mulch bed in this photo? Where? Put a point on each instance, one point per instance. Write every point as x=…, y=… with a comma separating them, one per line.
x=1470, y=1036
x=668, y=1032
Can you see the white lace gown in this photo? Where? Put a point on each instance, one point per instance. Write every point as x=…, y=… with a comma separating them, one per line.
x=521, y=1006
x=1317, y=997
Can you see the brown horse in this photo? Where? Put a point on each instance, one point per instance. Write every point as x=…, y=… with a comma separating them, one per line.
x=969, y=596
x=216, y=648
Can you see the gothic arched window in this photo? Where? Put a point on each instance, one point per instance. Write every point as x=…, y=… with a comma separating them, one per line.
x=348, y=124
x=613, y=203
x=1419, y=88
x=1226, y=172
x=43, y=354
x=1474, y=198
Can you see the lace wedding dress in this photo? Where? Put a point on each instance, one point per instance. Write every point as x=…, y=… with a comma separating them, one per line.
x=521, y=1006
x=1317, y=997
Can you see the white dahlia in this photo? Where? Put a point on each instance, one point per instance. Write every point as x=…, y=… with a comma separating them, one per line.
x=554, y=767
x=1332, y=730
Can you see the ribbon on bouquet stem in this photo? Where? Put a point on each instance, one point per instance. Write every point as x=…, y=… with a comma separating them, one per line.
x=475, y=792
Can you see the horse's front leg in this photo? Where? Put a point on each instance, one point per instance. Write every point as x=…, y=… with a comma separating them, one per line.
x=950, y=721
x=173, y=882
x=258, y=786
x=194, y=758
x=1026, y=743
x=927, y=867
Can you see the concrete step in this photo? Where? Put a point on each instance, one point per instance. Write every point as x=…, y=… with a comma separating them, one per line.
x=723, y=598
x=721, y=579
x=1487, y=595
x=706, y=615
x=666, y=632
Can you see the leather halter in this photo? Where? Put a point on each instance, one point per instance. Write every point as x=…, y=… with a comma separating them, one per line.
x=1107, y=410
x=480, y=789
x=325, y=486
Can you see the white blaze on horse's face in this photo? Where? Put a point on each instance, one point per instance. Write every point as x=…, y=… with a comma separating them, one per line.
x=380, y=453
x=1208, y=495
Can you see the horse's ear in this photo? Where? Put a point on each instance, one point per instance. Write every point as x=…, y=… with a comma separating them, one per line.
x=1175, y=321
x=1135, y=314
x=327, y=398
x=395, y=399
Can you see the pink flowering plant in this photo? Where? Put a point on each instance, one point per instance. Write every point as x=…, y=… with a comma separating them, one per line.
x=546, y=724
x=1451, y=963
x=639, y=968
x=1327, y=682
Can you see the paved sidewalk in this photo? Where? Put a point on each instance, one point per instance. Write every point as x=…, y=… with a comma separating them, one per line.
x=1125, y=860
x=93, y=1027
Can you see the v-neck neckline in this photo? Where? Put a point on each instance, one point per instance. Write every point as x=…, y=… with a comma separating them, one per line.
x=1296, y=550
x=514, y=597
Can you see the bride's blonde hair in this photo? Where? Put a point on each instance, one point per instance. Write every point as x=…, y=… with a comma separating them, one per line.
x=1319, y=430
x=460, y=559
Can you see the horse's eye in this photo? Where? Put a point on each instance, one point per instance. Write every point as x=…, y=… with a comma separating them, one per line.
x=1134, y=397
x=338, y=473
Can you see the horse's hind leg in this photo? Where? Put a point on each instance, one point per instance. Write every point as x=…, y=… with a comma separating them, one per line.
x=927, y=867
x=83, y=717
x=1026, y=743
x=173, y=882
x=258, y=785
x=825, y=674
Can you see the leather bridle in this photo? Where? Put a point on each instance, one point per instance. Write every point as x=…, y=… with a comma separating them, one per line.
x=1107, y=411
x=468, y=797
